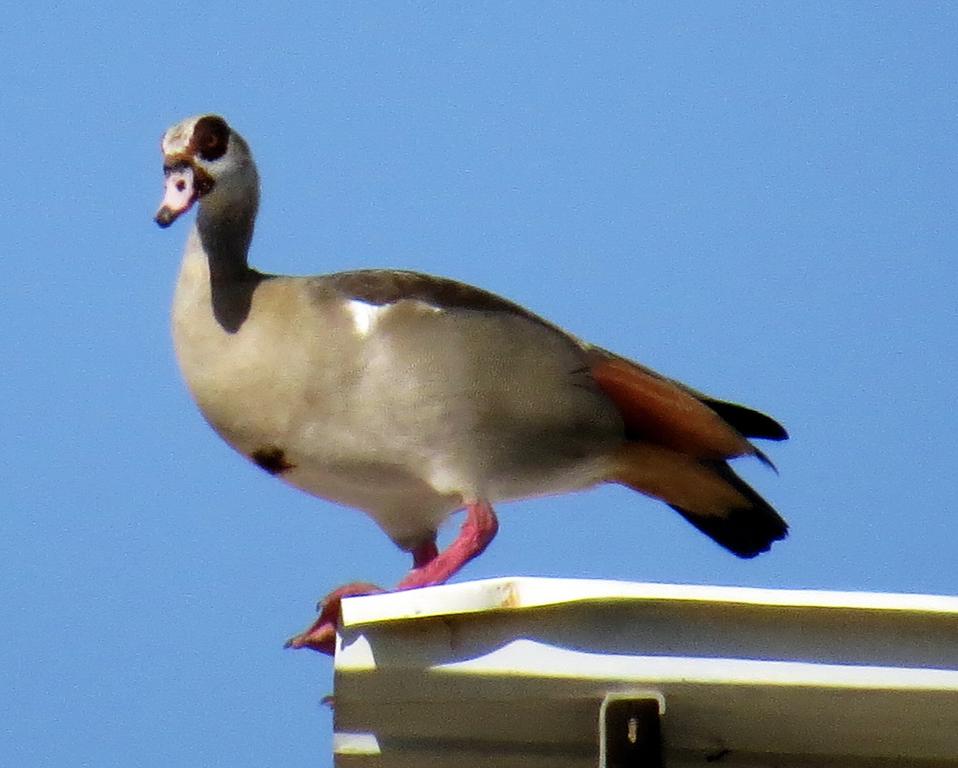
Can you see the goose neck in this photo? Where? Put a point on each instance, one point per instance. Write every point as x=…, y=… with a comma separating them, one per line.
x=225, y=234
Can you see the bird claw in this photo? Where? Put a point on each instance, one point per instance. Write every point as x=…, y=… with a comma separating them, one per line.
x=321, y=635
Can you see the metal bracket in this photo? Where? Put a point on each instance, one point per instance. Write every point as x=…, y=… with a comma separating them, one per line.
x=630, y=730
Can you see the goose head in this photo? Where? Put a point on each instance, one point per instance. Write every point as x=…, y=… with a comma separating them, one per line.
x=205, y=160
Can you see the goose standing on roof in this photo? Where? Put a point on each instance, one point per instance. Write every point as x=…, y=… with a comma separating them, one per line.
x=411, y=397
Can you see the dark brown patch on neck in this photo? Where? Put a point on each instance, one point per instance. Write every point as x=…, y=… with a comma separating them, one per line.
x=225, y=241
x=272, y=459
x=232, y=299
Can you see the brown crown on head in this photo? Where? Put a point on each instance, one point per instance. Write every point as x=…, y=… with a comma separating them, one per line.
x=210, y=137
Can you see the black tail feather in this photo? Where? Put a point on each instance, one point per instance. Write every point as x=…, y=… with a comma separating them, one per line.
x=746, y=531
x=748, y=422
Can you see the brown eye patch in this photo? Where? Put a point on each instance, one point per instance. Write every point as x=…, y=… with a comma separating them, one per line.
x=210, y=137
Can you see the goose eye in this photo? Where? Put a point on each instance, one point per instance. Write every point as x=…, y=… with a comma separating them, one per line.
x=210, y=137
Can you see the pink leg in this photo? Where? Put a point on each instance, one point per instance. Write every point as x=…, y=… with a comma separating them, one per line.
x=477, y=531
x=430, y=567
x=425, y=553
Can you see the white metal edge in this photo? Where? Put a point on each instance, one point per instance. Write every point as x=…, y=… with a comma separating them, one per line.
x=511, y=593
x=529, y=658
x=350, y=743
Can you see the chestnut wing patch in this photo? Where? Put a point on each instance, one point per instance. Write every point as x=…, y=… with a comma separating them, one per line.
x=658, y=411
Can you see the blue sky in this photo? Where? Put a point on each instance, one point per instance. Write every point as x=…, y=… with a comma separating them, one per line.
x=758, y=199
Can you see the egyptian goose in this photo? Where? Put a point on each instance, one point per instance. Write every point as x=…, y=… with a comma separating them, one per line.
x=410, y=396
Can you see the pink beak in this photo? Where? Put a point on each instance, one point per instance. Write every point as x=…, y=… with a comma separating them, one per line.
x=179, y=195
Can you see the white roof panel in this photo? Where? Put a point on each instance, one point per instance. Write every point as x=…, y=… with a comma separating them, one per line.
x=513, y=672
